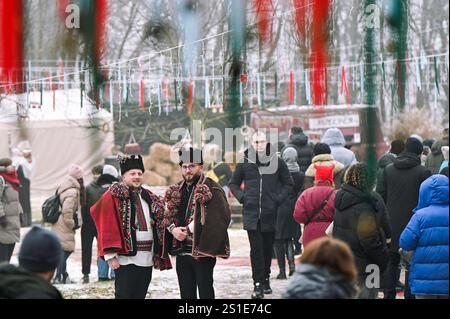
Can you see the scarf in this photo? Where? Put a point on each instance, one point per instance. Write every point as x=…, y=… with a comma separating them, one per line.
x=12, y=179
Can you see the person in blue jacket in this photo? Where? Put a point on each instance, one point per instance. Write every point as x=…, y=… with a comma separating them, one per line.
x=428, y=237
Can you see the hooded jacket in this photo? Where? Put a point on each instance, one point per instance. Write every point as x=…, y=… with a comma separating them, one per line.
x=267, y=185
x=336, y=140
x=384, y=162
x=435, y=159
x=308, y=204
x=18, y=283
x=313, y=282
x=325, y=160
x=69, y=196
x=304, y=152
x=10, y=210
x=400, y=191
x=427, y=234
x=361, y=220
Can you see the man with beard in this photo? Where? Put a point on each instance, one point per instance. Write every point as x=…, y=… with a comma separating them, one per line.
x=268, y=184
x=196, y=223
x=126, y=218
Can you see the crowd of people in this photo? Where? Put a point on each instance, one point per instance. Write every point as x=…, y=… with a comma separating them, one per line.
x=351, y=233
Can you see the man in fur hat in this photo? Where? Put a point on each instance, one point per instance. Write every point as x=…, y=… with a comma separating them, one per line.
x=126, y=218
x=196, y=223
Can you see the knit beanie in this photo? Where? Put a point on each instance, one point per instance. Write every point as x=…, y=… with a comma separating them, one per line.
x=413, y=145
x=110, y=170
x=76, y=172
x=40, y=251
x=5, y=162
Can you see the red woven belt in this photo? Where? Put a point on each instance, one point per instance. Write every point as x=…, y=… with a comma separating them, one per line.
x=145, y=245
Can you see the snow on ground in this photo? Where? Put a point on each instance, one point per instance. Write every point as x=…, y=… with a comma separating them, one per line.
x=232, y=277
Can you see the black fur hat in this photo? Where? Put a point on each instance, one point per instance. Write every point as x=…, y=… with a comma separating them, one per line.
x=129, y=162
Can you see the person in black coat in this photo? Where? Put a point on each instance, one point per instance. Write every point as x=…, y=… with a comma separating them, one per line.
x=288, y=231
x=267, y=185
x=397, y=147
x=299, y=141
x=104, y=176
x=39, y=255
x=400, y=191
x=361, y=220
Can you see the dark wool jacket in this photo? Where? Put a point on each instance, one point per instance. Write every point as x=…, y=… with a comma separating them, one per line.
x=305, y=152
x=264, y=190
x=400, y=191
x=361, y=220
x=18, y=283
x=94, y=191
x=312, y=282
x=211, y=221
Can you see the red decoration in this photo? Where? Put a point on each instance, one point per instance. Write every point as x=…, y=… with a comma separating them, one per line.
x=11, y=43
x=344, y=85
x=300, y=7
x=62, y=8
x=101, y=7
x=190, y=97
x=291, y=88
x=244, y=78
x=264, y=10
x=319, y=55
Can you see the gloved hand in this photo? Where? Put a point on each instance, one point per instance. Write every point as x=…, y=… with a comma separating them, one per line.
x=3, y=222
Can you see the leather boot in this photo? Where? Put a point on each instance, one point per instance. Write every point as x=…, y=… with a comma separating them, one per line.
x=290, y=256
x=267, y=288
x=280, y=254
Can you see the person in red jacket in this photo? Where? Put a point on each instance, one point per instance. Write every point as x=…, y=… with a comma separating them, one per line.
x=128, y=220
x=315, y=207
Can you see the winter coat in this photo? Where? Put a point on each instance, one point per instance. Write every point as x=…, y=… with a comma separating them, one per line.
x=313, y=282
x=336, y=140
x=384, y=162
x=308, y=204
x=400, y=191
x=435, y=159
x=361, y=220
x=69, y=196
x=18, y=283
x=286, y=225
x=427, y=235
x=264, y=190
x=304, y=152
x=94, y=191
x=10, y=209
x=325, y=160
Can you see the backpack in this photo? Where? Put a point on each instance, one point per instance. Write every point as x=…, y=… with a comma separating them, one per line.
x=51, y=209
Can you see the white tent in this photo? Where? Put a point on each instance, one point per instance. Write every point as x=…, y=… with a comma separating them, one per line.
x=60, y=134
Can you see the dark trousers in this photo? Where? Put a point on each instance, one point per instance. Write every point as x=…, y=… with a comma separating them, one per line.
x=132, y=282
x=392, y=276
x=261, y=248
x=6, y=251
x=61, y=271
x=284, y=248
x=87, y=238
x=297, y=245
x=193, y=274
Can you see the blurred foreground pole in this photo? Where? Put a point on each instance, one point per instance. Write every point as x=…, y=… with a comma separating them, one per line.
x=370, y=89
x=237, y=44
